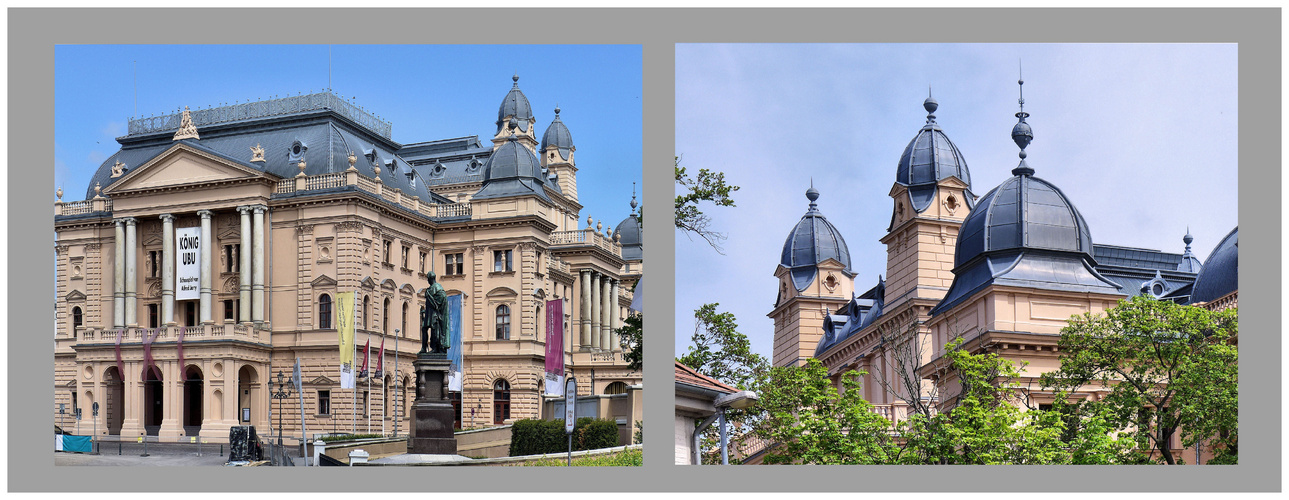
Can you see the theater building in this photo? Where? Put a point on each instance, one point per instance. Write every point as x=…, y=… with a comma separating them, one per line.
x=210, y=249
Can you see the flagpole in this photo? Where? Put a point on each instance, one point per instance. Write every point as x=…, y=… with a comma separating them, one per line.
x=397, y=399
x=367, y=398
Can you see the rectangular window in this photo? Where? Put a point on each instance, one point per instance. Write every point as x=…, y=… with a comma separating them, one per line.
x=460, y=263
x=154, y=263
x=407, y=252
x=154, y=315
x=190, y=313
x=324, y=402
x=365, y=400
x=389, y=248
x=422, y=262
x=501, y=261
x=231, y=256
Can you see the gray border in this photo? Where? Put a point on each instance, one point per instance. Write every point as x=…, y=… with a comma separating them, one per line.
x=33, y=32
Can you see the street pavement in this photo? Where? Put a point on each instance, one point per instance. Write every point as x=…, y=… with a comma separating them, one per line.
x=128, y=454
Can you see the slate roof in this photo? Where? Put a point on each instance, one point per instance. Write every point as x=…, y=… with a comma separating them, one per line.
x=1221, y=273
x=856, y=315
x=557, y=136
x=929, y=158
x=512, y=170
x=515, y=104
x=812, y=241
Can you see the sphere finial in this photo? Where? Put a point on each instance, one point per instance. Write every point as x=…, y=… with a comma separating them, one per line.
x=515, y=78
x=1188, y=238
x=1022, y=134
x=633, y=198
x=930, y=105
x=557, y=110
x=59, y=193
x=812, y=194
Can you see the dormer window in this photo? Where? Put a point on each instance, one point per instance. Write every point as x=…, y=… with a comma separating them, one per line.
x=474, y=165
x=296, y=153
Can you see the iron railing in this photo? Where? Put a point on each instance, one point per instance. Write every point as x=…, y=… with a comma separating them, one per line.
x=261, y=109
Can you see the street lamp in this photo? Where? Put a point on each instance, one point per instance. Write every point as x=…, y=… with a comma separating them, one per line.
x=283, y=392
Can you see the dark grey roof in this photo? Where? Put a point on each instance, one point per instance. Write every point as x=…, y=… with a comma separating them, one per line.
x=851, y=318
x=515, y=105
x=1113, y=255
x=929, y=158
x=631, y=235
x=1189, y=262
x=1023, y=212
x=812, y=241
x=1024, y=233
x=512, y=170
x=1221, y=273
x=557, y=136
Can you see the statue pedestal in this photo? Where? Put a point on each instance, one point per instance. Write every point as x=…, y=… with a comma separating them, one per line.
x=432, y=416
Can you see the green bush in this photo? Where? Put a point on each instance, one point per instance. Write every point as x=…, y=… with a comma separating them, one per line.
x=536, y=437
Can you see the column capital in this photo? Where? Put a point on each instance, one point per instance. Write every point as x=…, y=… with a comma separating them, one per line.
x=259, y=209
x=168, y=217
x=244, y=209
x=205, y=214
x=118, y=222
x=130, y=221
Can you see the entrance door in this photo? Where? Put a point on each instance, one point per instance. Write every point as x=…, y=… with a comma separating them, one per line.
x=153, y=401
x=193, y=414
x=114, y=401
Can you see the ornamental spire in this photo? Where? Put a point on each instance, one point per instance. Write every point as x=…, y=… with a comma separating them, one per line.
x=930, y=105
x=1021, y=133
x=633, y=199
x=812, y=194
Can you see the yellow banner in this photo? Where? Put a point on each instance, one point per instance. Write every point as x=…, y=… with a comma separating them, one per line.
x=345, y=319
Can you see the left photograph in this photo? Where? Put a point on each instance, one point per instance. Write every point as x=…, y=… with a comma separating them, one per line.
x=315, y=255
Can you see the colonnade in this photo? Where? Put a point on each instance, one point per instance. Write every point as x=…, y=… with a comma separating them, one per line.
x=597, y=313
x=251, y=279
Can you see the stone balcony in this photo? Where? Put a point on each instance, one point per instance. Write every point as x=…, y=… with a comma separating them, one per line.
x=351, y=177
x=585, y=237
x=92, y=336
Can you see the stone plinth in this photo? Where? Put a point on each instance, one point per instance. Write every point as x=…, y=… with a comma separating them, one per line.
x=432, y=415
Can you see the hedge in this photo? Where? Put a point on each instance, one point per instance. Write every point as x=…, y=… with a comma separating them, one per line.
x=537, y=437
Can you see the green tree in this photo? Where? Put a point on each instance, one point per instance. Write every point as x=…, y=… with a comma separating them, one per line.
x=632, y=334
x=812, y=422
x=1168, y=368
x=708, y=186
x=720, y=351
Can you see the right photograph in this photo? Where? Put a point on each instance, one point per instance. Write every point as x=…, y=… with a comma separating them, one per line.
x=927, y=254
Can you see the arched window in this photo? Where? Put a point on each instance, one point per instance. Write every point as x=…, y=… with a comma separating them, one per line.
x=77, y=319
x=384, y=317
x=324, y=312
x=500, y=401
x=404, y=318
x=366, y=309
x=616, y=388
x=503, y=322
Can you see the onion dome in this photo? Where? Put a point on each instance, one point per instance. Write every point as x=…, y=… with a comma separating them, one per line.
x=631, y=234
x=512, y=170
x=929, y=158
x=1190, y=263
x=1221, y=272
x=1024, y=232
x=557, y=136
x=515, y=105
x=812, y=241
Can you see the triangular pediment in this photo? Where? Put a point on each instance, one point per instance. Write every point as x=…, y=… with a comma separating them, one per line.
x=323, y=281
x=180, y=165
x=322, y=380
x=75, y=296
x=953, y=181
x=368, y=282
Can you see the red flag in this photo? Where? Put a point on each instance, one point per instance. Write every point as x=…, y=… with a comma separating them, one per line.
x=148, y=363
x=380, y=361
x=366, y=351
x=120, y=366
x=183, y=373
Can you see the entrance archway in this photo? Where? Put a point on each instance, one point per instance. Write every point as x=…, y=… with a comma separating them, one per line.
x=193, y=388
x=153, y=401
x=113, y=410
x=247, y=394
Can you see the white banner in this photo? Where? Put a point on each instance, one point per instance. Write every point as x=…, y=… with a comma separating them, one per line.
x=188, y=263
x=554, y=385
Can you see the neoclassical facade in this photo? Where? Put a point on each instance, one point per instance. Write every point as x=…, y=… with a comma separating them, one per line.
x=1004, y=271
x=210, y=251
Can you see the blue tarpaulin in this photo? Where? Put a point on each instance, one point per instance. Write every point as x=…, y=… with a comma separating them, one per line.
x=80, y=444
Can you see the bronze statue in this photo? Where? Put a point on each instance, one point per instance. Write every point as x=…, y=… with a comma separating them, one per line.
x=434, y=319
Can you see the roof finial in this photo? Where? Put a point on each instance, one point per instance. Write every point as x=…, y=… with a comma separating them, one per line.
x=633, y=198
x=812, y=194
x=1188, y=238
x=930, y=105
x=556, y=110
x=1021, y=133
x=516, y=79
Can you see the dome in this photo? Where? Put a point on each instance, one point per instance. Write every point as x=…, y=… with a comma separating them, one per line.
x=631, y=234
x=512, y=170
x=929, y=158
x=515, y=104
x=1220, y=274
x=812, y=241
x=1190, y=263
x=557, y=136
x=1024, y=212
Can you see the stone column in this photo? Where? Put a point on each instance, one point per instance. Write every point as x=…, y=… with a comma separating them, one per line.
x=606, y=311
x=131, y=276
x=118, y=276
x=206, y=275
x=615, y=317
x=584, y=311
x=167, y=269
x=596, y=304
x=257, y=291
x=244, y=274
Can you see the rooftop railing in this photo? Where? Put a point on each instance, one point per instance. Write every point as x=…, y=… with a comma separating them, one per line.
x=262, y=109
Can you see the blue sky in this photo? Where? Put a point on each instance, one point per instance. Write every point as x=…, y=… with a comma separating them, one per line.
x=1142, y=138
x=427, y=92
